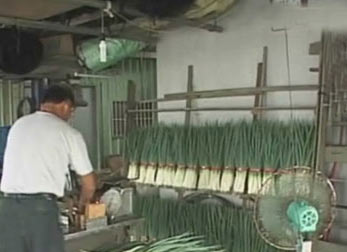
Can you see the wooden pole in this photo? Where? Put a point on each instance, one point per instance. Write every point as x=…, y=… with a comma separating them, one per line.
x=189, y=99
x=250, y=91
x=222, y=109
x=257, y=85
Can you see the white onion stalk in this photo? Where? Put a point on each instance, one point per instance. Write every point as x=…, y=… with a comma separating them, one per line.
x=215, y=179
x=133, y=171
x=190, y=178
x=227, y=179
x=142, y=173
x=166, y=180
x=150, y=174
x=159, y=181
x=204, y=179
x=254, y=181
x=268, y=182
x=240, y=180
x=179, y=176
x=259, y=182
x=171, y=175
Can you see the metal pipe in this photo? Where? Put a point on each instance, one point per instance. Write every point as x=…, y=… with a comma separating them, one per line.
x=105, y=6
x=91, y=3
x=82, y=75
x=44, y=25
x=221, y=109
x=341, y=207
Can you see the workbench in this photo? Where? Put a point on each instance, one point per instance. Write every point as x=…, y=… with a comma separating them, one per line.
x=92, y=239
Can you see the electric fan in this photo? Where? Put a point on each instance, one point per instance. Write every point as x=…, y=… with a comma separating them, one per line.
x=293, y=208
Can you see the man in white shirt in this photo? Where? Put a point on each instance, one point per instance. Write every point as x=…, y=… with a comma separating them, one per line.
x=40, y=149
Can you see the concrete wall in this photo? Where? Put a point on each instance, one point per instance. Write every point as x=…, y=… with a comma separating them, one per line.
x=229, y=59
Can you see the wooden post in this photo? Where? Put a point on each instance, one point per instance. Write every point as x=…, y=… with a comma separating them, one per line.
x=261, y=82
x=264, y=75
x=322, y=112
x=257, y=96
x=189, y=99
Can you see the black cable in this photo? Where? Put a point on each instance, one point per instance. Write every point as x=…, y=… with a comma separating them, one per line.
x=199, y=197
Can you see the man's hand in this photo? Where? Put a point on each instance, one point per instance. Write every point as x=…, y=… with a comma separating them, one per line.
x=88, y=186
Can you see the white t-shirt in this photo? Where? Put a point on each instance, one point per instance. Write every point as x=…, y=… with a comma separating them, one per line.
x=40, y=148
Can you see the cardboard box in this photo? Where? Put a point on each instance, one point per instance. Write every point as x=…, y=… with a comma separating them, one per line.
x=94, y=211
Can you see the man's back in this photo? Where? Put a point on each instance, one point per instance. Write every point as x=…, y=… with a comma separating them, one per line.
x=39, y=150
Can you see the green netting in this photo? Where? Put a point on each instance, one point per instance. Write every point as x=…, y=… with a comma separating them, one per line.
x=117, y=50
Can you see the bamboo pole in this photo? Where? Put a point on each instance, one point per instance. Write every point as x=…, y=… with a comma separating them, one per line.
x=222, y=109
x=189, y=99
x=249, y=91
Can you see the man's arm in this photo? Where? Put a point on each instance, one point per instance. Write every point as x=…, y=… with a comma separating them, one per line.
x=88, y=187
x=80, y=163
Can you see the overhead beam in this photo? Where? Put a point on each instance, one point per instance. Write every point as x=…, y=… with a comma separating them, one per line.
x=45, y=25
x=91, y=3
x=85, y=18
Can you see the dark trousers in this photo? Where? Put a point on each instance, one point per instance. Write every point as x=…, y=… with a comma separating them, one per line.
x=30, y=225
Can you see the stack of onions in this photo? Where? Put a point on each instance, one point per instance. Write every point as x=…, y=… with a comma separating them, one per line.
x=204, y=158
x=191, y=175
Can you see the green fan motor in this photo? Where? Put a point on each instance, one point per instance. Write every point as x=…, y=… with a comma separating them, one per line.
x=303, y=216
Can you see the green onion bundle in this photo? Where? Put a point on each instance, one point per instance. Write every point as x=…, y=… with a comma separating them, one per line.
x=204, y=156
x=229, y=149
x=243, y=157
x=226, y=226
x=256, y=151
x=133, y=153
x=180, y=243
x=237, y=156
x=155, y=135
x=180, y=145
x=216, y=145
x=191, y=175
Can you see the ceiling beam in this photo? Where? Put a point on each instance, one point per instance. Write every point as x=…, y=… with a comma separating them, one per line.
x=85, y=18
x=91, y=3
x=44, y=25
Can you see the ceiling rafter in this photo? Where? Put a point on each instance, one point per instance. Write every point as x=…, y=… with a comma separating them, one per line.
x=81, y=30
